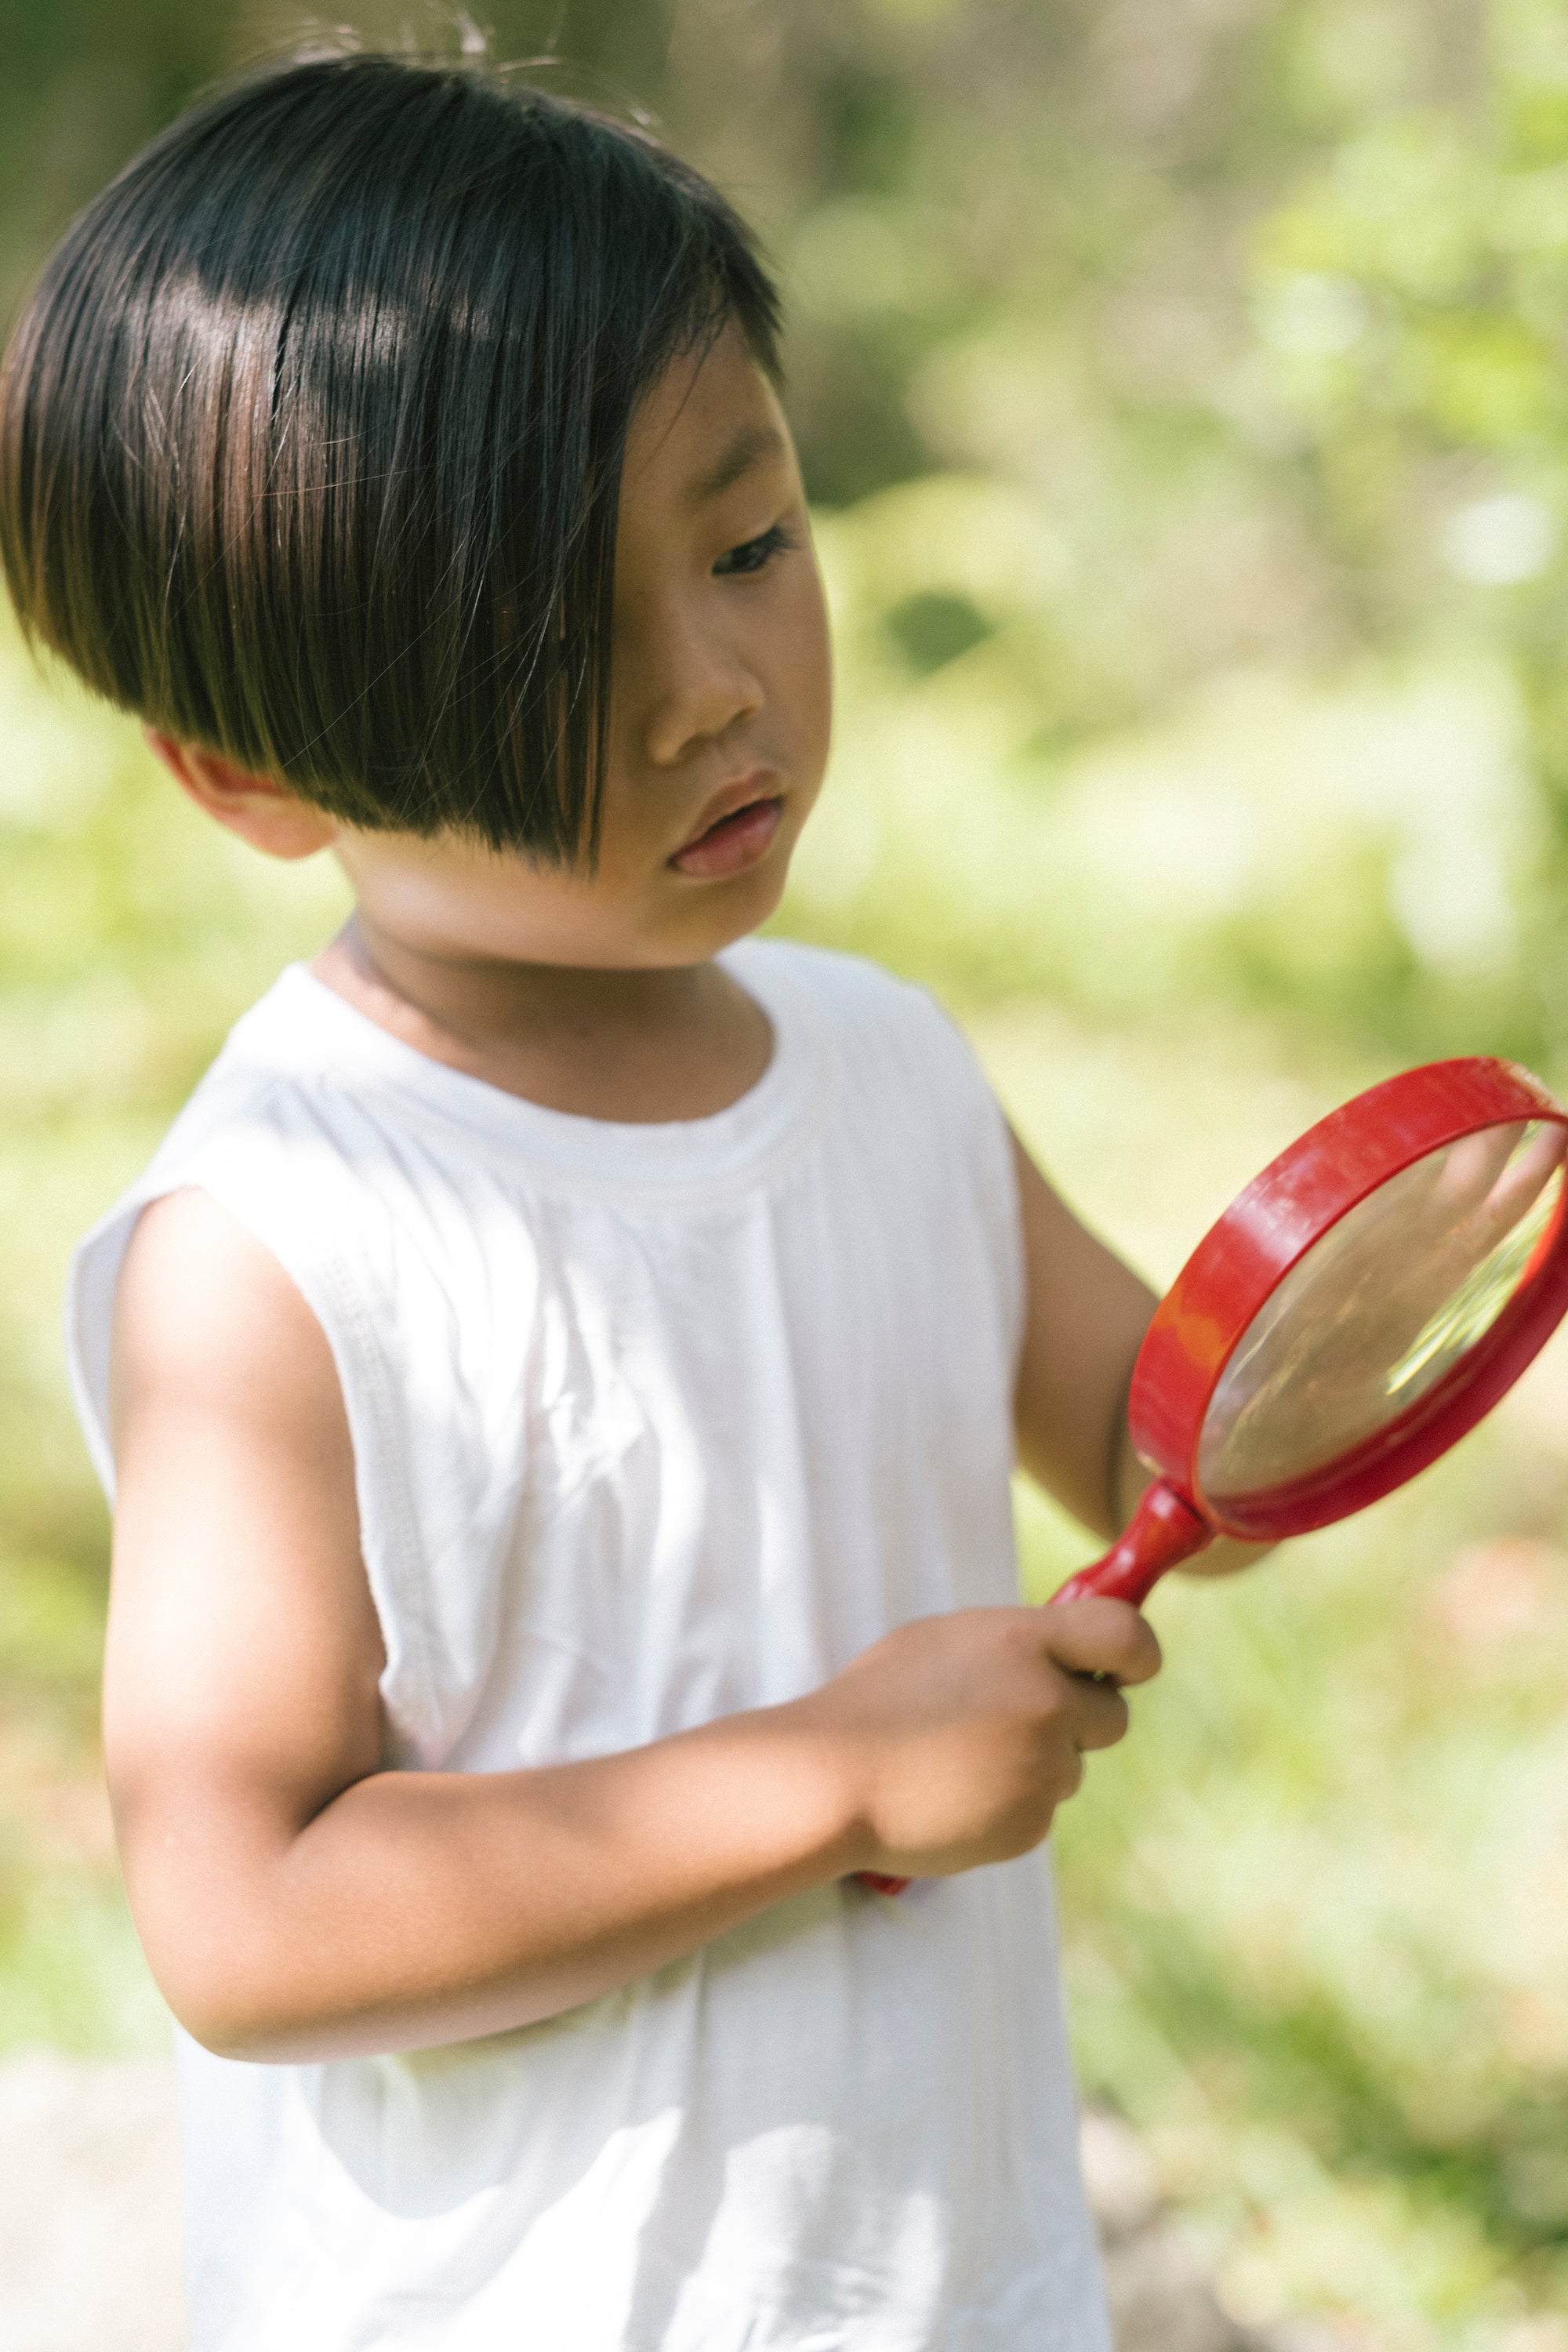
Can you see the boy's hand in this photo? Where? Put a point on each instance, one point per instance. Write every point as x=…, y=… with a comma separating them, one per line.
x=958, y=1737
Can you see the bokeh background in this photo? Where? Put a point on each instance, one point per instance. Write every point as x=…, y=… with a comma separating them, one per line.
x=1183, y=387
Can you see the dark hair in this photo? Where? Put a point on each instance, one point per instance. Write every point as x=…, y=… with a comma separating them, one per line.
x=311, y=440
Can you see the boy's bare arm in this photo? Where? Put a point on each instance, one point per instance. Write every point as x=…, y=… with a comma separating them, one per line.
x=297, y=1900
x=1087, y=1314
x=1087, y=1317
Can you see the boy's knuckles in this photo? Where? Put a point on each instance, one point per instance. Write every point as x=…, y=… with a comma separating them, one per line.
x=1102, y=1718
x=1095, y=1635
x=1143, y=1656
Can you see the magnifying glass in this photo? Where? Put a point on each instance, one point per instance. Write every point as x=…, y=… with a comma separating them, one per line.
x=1354, y=1313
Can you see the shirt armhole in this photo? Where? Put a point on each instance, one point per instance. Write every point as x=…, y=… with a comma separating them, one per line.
x=389, y=1546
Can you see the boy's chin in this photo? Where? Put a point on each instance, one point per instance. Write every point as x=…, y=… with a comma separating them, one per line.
x=723, y=913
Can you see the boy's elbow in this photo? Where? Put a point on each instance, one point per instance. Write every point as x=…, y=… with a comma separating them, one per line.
x=230, y=1984
x=228, y=2016
x=245, y=1969
x=225, y=2037
x=257, y=2031
x=259, y=2003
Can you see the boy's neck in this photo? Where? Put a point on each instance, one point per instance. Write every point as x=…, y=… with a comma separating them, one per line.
x=642, y=1046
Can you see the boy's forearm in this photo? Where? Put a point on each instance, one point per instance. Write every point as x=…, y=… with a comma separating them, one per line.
x=424, y=1907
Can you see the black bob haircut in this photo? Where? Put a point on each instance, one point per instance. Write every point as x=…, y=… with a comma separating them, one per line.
x=312, y=437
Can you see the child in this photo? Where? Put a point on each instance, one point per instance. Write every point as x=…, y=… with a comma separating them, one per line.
x=562, y=1373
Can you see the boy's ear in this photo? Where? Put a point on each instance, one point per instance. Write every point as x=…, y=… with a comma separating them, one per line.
x=262, y=811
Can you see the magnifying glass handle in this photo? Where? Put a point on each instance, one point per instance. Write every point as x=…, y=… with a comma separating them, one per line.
x=1163, y=1529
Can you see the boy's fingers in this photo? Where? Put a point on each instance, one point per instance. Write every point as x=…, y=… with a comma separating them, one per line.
x=1098, y=1715
x=1095, y=1636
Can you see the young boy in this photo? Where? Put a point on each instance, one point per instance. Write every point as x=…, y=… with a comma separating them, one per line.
x=560, y=1377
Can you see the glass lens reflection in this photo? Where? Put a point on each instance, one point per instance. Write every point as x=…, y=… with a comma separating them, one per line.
x=1380, y=1309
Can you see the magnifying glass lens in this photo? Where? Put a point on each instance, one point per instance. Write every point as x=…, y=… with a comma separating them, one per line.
x=1381, y=1310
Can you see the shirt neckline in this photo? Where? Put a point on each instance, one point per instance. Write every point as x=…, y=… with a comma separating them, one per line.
x=339, y=1042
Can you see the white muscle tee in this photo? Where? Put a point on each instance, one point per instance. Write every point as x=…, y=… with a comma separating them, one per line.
x=651, y=1424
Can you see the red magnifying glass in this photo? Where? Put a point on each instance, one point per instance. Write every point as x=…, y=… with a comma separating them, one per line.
x=1353, y=1312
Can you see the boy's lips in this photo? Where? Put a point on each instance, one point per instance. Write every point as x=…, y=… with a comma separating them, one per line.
x=737, y=830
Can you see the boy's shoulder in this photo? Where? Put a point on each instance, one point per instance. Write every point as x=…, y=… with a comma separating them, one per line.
x=872, y=1016
x=255, y=1091
x=845, y=987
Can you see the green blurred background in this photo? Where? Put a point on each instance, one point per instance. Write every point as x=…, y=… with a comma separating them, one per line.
x=1181, y=386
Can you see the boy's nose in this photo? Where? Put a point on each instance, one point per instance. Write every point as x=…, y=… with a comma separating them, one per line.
x=698, y=687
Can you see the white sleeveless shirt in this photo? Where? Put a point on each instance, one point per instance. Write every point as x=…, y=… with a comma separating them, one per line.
x=651, y=1424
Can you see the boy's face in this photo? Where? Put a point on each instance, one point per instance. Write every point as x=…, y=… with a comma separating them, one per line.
x=720, y=713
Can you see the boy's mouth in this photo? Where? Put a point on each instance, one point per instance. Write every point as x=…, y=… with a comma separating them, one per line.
x=736, y=838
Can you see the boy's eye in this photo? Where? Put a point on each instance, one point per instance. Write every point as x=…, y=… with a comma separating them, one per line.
x=752, y=554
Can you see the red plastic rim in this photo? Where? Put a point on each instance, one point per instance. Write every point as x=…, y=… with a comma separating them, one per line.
x=1272, y=1224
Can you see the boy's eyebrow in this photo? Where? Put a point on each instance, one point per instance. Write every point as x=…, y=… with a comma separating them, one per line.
x=749, y=447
